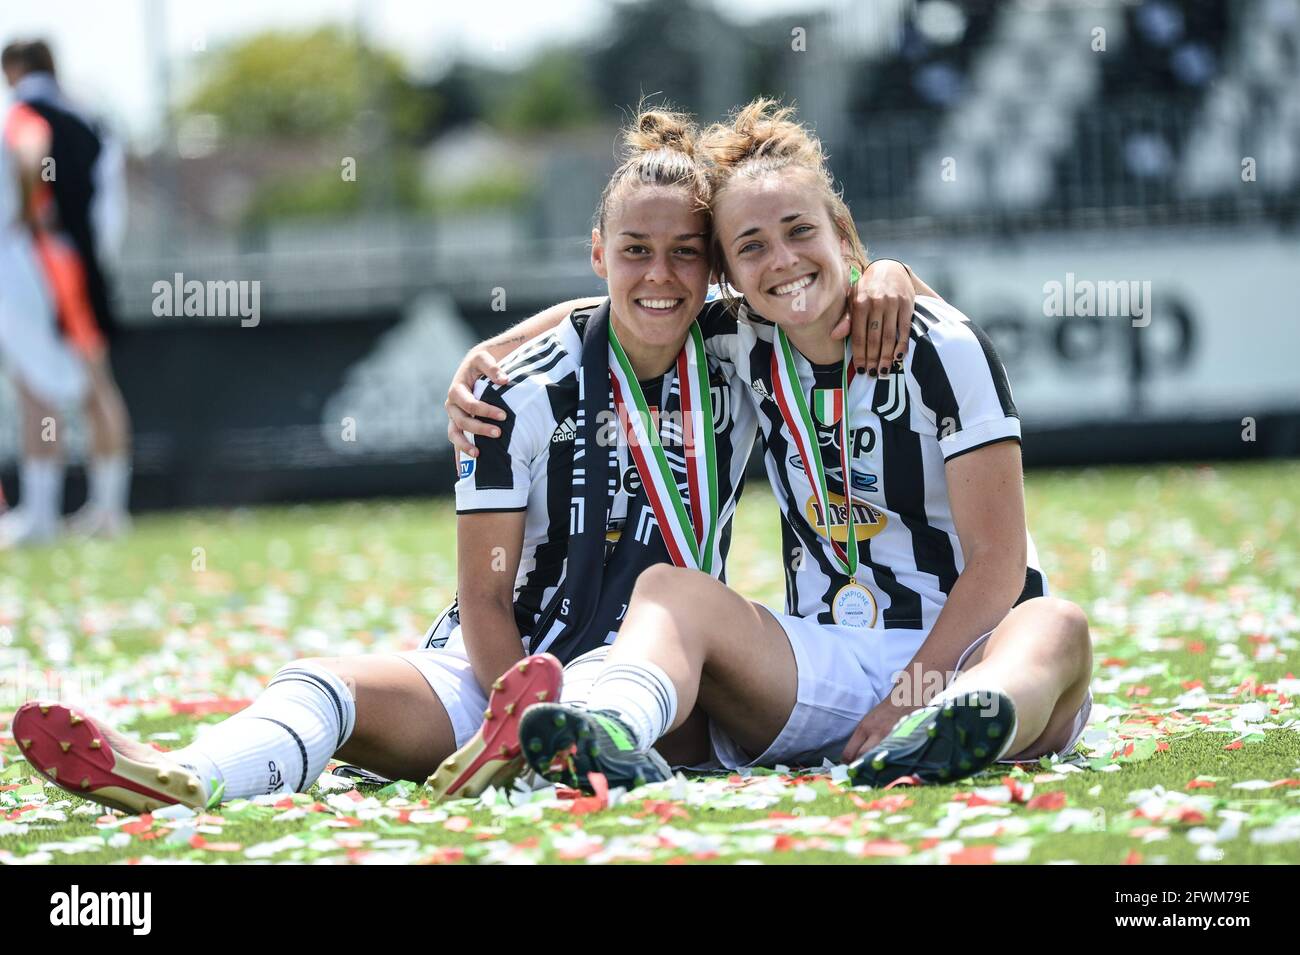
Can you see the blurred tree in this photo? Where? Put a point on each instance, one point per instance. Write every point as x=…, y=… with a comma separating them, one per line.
x=279, y=85
x=552, y=92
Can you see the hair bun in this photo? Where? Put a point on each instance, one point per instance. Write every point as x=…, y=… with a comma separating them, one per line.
x=654, y=129
x=763, y=129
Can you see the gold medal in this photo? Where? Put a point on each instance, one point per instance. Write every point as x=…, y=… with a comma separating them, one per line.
x=853, y=606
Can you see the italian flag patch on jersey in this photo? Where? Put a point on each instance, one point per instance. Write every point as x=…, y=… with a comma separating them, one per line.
x=827, y=405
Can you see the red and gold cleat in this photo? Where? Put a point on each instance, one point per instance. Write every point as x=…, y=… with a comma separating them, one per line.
x=93, y=761
x=493, y=756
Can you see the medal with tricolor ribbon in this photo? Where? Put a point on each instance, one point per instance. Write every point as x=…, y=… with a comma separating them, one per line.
x=853, y=605
x=691, y=536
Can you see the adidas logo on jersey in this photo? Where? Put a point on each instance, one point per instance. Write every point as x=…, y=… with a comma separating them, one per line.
x=567, y=431
x=760, y=389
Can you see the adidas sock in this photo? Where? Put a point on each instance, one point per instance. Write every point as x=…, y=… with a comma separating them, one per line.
x=282, y=742
x=40, y=491
x=641, y=695
x=987, y=690
x=110, y=483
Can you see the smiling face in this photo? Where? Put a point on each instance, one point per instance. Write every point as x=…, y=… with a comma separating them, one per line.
x=781, y=248
x=654, y=255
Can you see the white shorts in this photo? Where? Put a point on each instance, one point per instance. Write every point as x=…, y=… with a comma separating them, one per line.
x=447, y=669
x=843, y=674
x=30, y=340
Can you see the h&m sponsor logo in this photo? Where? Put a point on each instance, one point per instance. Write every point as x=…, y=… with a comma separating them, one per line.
x=134, y=909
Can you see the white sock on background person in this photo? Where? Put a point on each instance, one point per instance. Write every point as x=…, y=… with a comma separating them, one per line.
x=109, y=479
x=641, y=695
x=282, y=742
x=40, y=491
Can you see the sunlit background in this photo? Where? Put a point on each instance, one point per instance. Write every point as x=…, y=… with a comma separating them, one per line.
x=401, y=179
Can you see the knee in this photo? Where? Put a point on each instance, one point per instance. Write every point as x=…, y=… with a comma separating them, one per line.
x=666, y=584
x=1070, y=636
x=340, y=667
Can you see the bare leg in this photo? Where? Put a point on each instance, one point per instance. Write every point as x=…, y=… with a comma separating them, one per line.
x=280, y=742
x=40, y=482
x=1041, y=655
x=720, y=650
x=110, y=423
x=402, y=728
x=41, y=426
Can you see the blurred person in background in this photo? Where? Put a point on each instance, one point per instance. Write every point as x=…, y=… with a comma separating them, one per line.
x=70, y=195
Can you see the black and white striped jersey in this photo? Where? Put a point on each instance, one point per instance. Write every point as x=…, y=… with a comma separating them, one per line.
x=530, y=466
x=951, y=397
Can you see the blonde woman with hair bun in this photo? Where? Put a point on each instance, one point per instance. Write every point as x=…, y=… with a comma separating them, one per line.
x=917, y=638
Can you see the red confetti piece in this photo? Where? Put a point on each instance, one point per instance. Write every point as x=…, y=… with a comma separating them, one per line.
x=783, y=843
x=600, y=786
x=1114, y=662
x=198, y=842
x=1247, y=686
x=889, y=803
x=1016, y=790
x=885, y=847
x=1161, y=746
x=904, y=781
x=1200, y=784
x=1050, y=800
x=663, y=808
x=1234, y=745
x=1133, y=858
x=457, y=823
x=445, y=855
x=143, y=824
x=582, y=805
x=975, y=855
x=1196, y=646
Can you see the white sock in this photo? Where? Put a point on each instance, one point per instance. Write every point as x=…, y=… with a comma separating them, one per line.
x=641, y=695
x=281, y=742
x=986, y=689
x=40, y=490
x=110, y=483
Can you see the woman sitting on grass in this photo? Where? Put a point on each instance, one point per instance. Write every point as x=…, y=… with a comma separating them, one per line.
x=532, y=579
x=909, y=565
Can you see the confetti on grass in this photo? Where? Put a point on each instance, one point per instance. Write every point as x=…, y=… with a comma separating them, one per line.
x=1192, y=755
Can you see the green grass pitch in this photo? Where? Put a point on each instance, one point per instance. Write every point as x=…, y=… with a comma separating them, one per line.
x=1188, y=574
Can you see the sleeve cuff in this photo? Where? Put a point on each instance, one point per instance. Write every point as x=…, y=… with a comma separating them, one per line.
x=979, y=435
